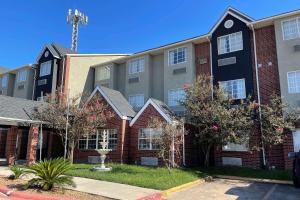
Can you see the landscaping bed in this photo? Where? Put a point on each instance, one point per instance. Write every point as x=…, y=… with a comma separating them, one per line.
x=17, y=185
x=142, y=176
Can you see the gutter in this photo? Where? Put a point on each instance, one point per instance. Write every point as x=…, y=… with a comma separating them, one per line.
x=21, y=120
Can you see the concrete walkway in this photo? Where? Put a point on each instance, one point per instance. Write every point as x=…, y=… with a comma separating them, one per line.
x=102, y=188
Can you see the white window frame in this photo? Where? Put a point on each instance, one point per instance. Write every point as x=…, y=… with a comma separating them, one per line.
x=298, y=28
x=296, y=88
x=243, y=93
x=45, y=71
x=151, y=131
x=232, y=37
x=4, y=80
x=133, y=102
x=172, y=102
x=87, y=138
x=22, y=76
x=176, y=51
x=296, y=144
x=103, y=73
x=235, y=147
x=138, y=68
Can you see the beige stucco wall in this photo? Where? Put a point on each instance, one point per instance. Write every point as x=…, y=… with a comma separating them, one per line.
x=81, y=75
x=26, y=92
x=288, y=60
x=9, y=90
x=157, y=76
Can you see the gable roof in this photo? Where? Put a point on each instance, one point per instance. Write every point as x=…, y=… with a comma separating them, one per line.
x=235, y=13
x=116, y=100
x=57, y=50
x=14, y=110
x=161, y=108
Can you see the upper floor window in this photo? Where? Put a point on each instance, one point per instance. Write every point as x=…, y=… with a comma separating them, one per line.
x=234, y=89
x=136, y=66
x=294, y=81
x=177, y=56
x=22, y=76
x=103, y=73
x=291, y=28
x=45, y=68
x=175, y=96
x=149, y=139
x=136, y=101
x=230, y=43
x=4, y=81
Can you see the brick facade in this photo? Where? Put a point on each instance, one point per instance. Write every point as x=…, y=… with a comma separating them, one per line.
x=202, y=58
x=33, y=139
x=11, y=144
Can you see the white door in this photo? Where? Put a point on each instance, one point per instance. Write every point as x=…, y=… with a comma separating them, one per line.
x=296, y=139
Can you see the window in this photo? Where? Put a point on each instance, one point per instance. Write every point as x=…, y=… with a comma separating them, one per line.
x=4, y=81
x=103, y=73
x=136, y=101
x=45, y=68
x=230, y=43
x=175, y=96
x=235, y=89
x=293, y=82
x=291, y=28
x=296, y=140
x=136, y=66
x=177, y=56
x=93, y=141
x=149, y=139
x=22, y=76
x=235, y=147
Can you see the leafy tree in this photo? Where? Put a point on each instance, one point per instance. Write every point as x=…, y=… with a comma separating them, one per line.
x=215, y=117
x=50, y=173
x=84, y=118
x=169, y=141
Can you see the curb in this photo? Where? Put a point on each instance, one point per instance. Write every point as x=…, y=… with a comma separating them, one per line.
x=166, y=193
x=255, y=179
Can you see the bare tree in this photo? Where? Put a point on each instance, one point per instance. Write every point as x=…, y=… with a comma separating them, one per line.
x=84, y=118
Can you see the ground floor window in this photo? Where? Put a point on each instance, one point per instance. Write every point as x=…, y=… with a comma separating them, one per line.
x=236, y=147
x=149, y=139
x=296, y=139
x=93, y=141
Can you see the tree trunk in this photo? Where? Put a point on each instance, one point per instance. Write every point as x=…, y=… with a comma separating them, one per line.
x=71, y=150
x=207, y=155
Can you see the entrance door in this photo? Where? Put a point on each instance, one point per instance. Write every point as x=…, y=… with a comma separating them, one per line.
x=22, y=142
x=3, y=136
x=296, y=139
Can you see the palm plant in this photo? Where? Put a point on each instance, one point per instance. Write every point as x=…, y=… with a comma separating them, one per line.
x=17, y=172
x=50, y=173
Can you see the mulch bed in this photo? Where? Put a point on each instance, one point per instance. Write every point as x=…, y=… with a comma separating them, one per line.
x=18, y=185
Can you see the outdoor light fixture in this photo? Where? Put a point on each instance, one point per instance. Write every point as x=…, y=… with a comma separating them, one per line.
x=76, y=19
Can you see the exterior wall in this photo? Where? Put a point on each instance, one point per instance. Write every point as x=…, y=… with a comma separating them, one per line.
x=33, y=138
x=157, y=76
x=81, y=75
x=9, y=90
x=120, y=77
x=11, y=145
x=202, y=54
x=288, y=60
x=175, y=81
x=26, y=91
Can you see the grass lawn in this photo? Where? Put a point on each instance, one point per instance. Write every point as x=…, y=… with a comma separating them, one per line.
x=248, y=172
x=147, y=177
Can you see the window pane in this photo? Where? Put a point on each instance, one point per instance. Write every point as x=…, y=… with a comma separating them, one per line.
x=136, y=101
x=22, y=76
x=144, y=139
x=177, y=56
x=175, y=96
x=112, y=138
x=103, y=73
x=136, y=66
x=230, y=43
x=4, y=81
x=92, y=141
x=45, y=68
x=290, y=29
x=294, y=82
x=234, y=89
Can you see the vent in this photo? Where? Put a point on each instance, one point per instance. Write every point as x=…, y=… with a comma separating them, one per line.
x=232, y=161
x=202, y=61
x=297, y=48
x=42, y=82
x=179, y=71
x=226, y=61
x=150, y=161
x=94, y=159
x=21, y=87
x=133, y=80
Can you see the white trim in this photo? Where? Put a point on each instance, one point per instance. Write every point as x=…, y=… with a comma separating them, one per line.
x=98, y=89
x=150, y=101
x=90, y=55
x=229, y=37
x=298, y=29
x=288, y=85
x=20, y=120
x=42, y=53
x=185, y=55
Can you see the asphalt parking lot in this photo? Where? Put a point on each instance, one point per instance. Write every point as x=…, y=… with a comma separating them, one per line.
x=225, y=189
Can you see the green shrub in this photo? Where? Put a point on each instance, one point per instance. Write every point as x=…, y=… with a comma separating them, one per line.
x=17, y=172
x=50, y=173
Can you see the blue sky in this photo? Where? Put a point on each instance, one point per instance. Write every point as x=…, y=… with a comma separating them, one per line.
x=115, y=26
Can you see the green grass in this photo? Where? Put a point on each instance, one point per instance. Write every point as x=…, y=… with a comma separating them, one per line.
x=147, y=177
x=248, y=172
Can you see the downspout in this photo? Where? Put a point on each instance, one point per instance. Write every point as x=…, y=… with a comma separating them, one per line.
x=183, y=145
x=41, y=141
x=34, y=80
x=258, y=91
x=62, y=75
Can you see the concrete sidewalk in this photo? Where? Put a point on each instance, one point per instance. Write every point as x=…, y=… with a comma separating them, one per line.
x=111, y=190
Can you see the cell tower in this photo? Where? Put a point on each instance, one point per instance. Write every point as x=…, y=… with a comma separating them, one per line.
x=76, y=19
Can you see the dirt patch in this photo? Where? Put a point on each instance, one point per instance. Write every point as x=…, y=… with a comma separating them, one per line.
x=18, y=185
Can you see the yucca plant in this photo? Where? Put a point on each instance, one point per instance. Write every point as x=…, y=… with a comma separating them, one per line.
x=18, y=171
x=50, y=173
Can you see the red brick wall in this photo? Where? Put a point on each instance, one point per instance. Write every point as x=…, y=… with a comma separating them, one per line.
x=202, y=51
x=11, y=144
x=288, y=146
x=117, y=123
x=33, y=139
